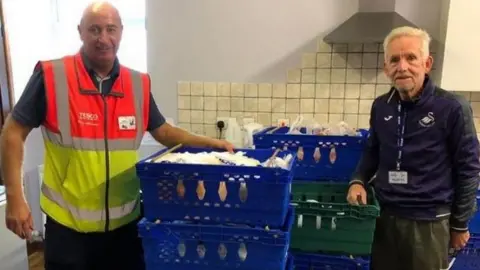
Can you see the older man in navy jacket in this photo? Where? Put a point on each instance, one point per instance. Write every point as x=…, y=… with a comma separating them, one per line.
x=422, y=159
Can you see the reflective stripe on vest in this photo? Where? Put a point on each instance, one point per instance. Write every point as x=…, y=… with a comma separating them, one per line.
x=66, y=140
x=82, y=214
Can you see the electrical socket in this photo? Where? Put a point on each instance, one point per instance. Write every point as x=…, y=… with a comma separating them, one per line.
x=225, y=120
x=283, y=122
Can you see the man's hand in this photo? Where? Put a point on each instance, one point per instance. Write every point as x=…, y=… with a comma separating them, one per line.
x=18, y=217
x=222, y=144
x=458, y=240
x=357, y=195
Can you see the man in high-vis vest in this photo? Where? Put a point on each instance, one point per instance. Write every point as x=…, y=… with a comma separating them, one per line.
x=93, y=113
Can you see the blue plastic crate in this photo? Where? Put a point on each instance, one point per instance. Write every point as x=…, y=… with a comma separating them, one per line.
x=183, y=245
x=469, y=257
x=348, y=149
x=255, y=195
x=309, y=261
x=474, y=225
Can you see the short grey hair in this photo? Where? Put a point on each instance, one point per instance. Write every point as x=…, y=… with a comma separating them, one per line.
x=410, y=32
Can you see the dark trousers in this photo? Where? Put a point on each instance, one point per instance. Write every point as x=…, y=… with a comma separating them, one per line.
x=404, y=244
x=66, y=249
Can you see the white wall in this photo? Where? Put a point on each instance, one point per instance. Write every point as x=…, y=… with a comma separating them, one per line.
x=229, y=40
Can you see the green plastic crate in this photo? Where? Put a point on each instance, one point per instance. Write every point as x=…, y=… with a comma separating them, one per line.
x=331, y=224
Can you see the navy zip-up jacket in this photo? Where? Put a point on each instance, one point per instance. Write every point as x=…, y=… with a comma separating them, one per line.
x=440, y=155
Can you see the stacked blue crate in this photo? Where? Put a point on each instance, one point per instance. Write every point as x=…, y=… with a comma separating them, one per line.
x=216, y=216
x=318, y=166
x=320, y=158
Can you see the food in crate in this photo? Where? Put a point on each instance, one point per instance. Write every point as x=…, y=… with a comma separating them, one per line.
x=224, y=158
x=303, y=126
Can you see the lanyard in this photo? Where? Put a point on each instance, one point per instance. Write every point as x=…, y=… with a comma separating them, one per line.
x=400, y=133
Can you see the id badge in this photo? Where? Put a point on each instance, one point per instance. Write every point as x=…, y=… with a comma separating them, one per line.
x=127, y=123
x=398, y=177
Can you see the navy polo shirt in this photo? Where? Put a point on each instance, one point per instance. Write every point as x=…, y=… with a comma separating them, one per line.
x=31, y=108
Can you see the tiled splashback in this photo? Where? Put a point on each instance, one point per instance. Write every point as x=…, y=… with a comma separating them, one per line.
x=338, y=82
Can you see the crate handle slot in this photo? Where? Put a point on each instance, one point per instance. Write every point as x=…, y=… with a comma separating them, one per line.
x=300, y=153
x=167, y=152
x=333, y=154
x=243, y=192
x=334, y=224
x=300, y=221
x=222, y=191
x=182, y=249
x=201, y=190
x=242, y=252
x=317, y=155
x=319, y=222
x=180, y=189
x=201, y=250
x=222, y=251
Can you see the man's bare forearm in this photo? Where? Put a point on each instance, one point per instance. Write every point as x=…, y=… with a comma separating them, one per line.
x=171, y=136
x=12, y=141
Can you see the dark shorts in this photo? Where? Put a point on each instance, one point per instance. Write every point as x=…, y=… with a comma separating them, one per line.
x=401, y=244
x=66, y=249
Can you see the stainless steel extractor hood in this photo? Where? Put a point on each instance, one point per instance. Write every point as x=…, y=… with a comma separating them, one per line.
x=367, y=27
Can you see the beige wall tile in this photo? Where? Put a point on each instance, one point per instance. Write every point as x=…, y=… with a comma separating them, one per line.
x=307, y=90
x=339, y=60
x=223, y=113
x=294, y=76
x=279, y=90
x=476, y=108
x=351, y=120
x=210, y=117
x=197, y=103
x=323, y=75
x=196, y=88
x=338, y=76
x=382, y=78
x=211, y=131
x=309, y=60
x=223, y=89
x=369, y=60
x=354, y=60
x=197, y=117
x=210, y=103
x=223, y=103
x=183, y=88
x=276, y=116
x=355, y=47
x=184, y=116
x=185, y=126
x=264, y=104
x=369, y=76
x=279, y=105
x=321, y=118
x=334, y=118
x=354, y=75
x=251, y=90
x=237, y=90
x=265, y=90
x=336, y=106
x=210, y=89
x=293, y=90
x=364, y=121
x=381, y=89
x=337, y=91
x=365, y=106
x=293, y=105
x=352, y=91
x=351, y=106
x=339, y=48
x=321, y=105
x=474, y=96
x=308, y=75
x=324, y=60
x=322, y=90
x=251, y=104
x=236, y=104
x=307, y=106
x=264, y=119
x=367, y=91
x=198, y=129
x=184, y=102
x=370, y=47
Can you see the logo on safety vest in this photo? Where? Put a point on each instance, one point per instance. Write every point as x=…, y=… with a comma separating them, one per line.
x=86, y=118
x=127, y=123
